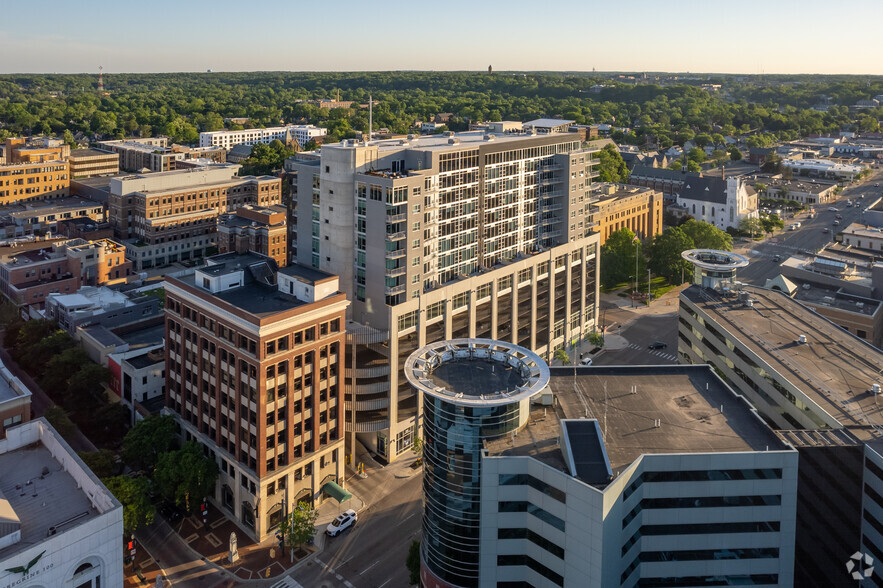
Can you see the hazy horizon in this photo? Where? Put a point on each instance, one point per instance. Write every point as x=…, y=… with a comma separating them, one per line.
x=791, y=37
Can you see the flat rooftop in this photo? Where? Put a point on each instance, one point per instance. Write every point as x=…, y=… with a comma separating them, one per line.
x=440, y=142
x=256, y=299
x=628, y=400
x=833, y=368
x=42, y=495
x=829, y=296
x=476, y=377
x=152, y=334
x=91, y=152
x=9, y=384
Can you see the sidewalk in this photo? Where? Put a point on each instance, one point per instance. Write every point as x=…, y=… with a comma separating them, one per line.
x=209, y=545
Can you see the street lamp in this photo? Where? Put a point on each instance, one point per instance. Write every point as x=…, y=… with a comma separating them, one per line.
x=637, y=243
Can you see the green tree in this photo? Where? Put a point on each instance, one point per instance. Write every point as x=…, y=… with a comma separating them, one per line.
x=413, y=563
x=719, y=156
x=300, y=525
x=148, y=439
x=665, y=254
x=59, y=370
x=751, y=226
x=59, y=420
x=185, y=476
x=692, y=166
x=85, y=393
x=698, y=155
x=38, y=354
x=101, y=462
x=707, y=236
x=612, y=167
x=417, y=446
x=68, y=139
x=561, y=355
x=735, y=154
x=618, y=257
x=134, y=495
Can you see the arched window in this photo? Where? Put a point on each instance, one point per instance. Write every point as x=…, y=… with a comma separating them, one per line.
x=87, y=574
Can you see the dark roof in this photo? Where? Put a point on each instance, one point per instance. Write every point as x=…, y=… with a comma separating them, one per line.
x=660, y=173
x=705, y=189
x=760, y=150
x=587, y=450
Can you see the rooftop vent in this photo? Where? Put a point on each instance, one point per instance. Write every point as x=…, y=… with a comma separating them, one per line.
x=801, y=339
x=453, y=141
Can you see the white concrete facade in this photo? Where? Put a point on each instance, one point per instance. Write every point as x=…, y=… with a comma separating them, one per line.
x=228, y=139
x=610, y=539
x=78, y=554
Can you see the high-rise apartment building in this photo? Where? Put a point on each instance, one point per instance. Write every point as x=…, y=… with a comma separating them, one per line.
x=469, y=235
x=254, y=361
x=596, y=477
x=171, y=216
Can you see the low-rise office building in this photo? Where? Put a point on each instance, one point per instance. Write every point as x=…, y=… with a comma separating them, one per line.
x=262, y=230
x=596, y=477
x=138, y=377
x=822, y=168
x=254, y=373
x=172, y=216
x=862, y=237
x=627, y=207
x=29, y=277
x=61, y=526
x=86, y=163
x=804, y=190
x=20, y=182
x=817, y=385
x=34, y=150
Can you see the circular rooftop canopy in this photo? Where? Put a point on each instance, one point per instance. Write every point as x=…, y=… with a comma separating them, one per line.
x=712, y=259
x=481, y=372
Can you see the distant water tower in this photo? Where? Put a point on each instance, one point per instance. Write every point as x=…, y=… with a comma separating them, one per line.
x=490, y=69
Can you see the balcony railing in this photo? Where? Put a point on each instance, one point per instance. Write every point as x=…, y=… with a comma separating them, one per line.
x=397, y=254
x=392, y=291
x=395, y=236
x=394, y=272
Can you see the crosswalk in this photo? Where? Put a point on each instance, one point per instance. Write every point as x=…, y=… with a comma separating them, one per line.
x=657, y=352
x=286, y=582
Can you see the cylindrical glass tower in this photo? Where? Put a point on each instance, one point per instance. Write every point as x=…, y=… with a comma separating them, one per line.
x=473, y=390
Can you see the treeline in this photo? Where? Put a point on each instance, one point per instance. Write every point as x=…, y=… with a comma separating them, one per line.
x=181, y=105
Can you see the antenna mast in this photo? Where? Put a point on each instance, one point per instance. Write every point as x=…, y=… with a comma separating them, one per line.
x=100, y=79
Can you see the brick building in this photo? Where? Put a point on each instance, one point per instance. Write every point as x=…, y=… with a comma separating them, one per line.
x=262, y=230
x=86, y=163
x=254, y=358
x=172, y=216
x=621, y=206
x=27, y=278
x=34, y=181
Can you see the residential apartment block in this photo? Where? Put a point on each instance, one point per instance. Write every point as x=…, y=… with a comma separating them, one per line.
x=596, y=477
x=303, y=134
x=33, y=217
x=627, y=207
x=468, y=235
x=254, y=368
x=262, y=230
x=29, y=277
x=818, y=386
x=86, y=163
x=172, y=216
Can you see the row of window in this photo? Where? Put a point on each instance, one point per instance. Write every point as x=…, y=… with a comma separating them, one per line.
x=532, y=509
x=701, y=529
x=535, y=483
x=702, y=476
x=701, y=502
x=524, y=560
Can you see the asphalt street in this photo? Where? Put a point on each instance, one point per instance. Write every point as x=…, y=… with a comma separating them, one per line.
x=810, y=236
x=372, y=554
x=640, y=333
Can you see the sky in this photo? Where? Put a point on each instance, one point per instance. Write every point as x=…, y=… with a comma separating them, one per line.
x=733, y=36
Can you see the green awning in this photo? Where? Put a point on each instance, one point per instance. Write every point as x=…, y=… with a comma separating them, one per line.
x=336, y=492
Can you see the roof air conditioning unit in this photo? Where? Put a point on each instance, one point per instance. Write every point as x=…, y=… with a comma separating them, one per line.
x=801, y=339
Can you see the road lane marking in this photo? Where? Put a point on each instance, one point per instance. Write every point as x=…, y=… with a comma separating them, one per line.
x=385, y=583
x=369, y=567
x=405, y=519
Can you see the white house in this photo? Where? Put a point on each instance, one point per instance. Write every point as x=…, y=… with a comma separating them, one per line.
x=721, y=202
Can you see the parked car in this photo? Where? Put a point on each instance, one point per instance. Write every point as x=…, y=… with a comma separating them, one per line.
x=777, y=258
x=839, y=216
x=341, y=523
x=657, y=345
x=833, y=209
x=836, y=223
x=826, y=230
x=586, y=361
